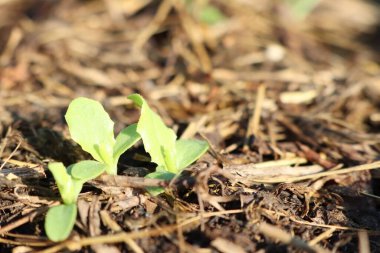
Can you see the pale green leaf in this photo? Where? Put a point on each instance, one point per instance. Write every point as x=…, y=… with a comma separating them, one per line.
x=137, y=99
x=188, y=151
x=68, y=188
x=124, y=140
x=159, y=174
x=158, y=139
x=86, y=170
x=210, y=15
x=160, y=169
x=61, y=177
x=59, y=221
x=92, y=128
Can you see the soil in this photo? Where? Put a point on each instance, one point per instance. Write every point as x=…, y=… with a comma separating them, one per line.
x=290, y=106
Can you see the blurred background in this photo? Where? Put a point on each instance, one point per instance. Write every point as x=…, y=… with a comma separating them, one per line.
x=192, y=58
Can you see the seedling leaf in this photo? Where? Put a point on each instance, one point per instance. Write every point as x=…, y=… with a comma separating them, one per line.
x=211, y=15
x=91, y=127
x=188, y=151
x=159, y=140
x=68, y=188
x=159, y=174
x=171, y=156
x=59, y=221
x=137, y=99
x=60, y=174
x=164, y=175
x=86, y=170
x=125, y=139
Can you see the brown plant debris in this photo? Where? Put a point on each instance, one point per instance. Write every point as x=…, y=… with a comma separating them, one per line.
x=289, y=101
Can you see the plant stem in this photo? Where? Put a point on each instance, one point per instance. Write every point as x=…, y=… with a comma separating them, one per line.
x=111, y=169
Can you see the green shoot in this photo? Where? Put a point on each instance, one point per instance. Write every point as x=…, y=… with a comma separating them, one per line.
x=92, y=128
x=170, y=155
x=68, y=187
x=60, y=219
x=158, y=139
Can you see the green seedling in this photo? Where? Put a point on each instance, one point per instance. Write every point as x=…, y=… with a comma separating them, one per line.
x=210, y=15
x=205, y=12
x=170, y=155
x=92, y=128
x=60, y=219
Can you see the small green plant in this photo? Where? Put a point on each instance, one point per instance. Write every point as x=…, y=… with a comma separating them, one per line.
x=211, y=15
x=170, y=155
x=60, y=219
x=92, y=128
x=205, y=12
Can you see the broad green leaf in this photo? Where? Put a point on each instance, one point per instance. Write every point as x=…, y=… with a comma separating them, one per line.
x=124, y=140
x=92, y=128
x=68, y=187
x=160, y=169
x=188, y=151
x=159, y=174
x=164, y=175
x=210, y=15
x=158, y=139
x=59, y=221
x=86, y=170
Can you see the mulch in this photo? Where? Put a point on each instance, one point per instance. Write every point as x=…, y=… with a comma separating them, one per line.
x=290, y=107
